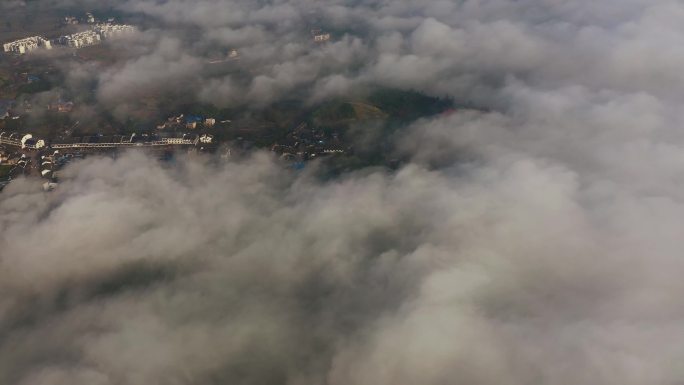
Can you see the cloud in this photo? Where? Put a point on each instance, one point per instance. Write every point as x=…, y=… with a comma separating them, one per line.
x=165, y=69
x=466, y=51
x=12, y=4
x=518, y=269
x=535, y=241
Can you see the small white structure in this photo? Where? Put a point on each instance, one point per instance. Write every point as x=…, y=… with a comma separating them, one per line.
x=175, y=140
x=209, y=122
x=26, y=138
x=206, y=139
x=28, y=142
x=186, y=140
x=321, y=38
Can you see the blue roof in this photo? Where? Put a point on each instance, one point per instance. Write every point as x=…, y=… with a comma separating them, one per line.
x=193, y=119
x=298, y=165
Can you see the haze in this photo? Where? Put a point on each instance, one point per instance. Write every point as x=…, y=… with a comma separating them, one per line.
x=530, y=236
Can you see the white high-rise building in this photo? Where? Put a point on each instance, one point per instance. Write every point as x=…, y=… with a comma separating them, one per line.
x=108, y=31
x=81, y=39
x=27, y=45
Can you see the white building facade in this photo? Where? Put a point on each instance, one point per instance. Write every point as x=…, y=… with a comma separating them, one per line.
x=81, y=39
x=27, y=45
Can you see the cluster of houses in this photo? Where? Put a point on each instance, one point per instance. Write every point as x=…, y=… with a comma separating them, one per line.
x=305, y=143
x=123, y=141
x=92, y=36
x=9, y=158
x=48, y=165
x=22, y=163
x=27, y=45
x=28, y=142
x=89, y=18
x=110, y=31
x=25, y=142
x=9, y=109
x=19, y=164
x=51, y=163
x=80, y=39
x=190, y=122
x=95, y=35
x=27, y=155
x=319, y=36
x=61, y=106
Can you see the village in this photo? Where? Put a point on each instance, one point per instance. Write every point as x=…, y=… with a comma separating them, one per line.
x=44, y=127
x=25, y=155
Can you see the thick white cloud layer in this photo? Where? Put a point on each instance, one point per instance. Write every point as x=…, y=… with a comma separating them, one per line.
x=535, y=244
x=460, y=49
